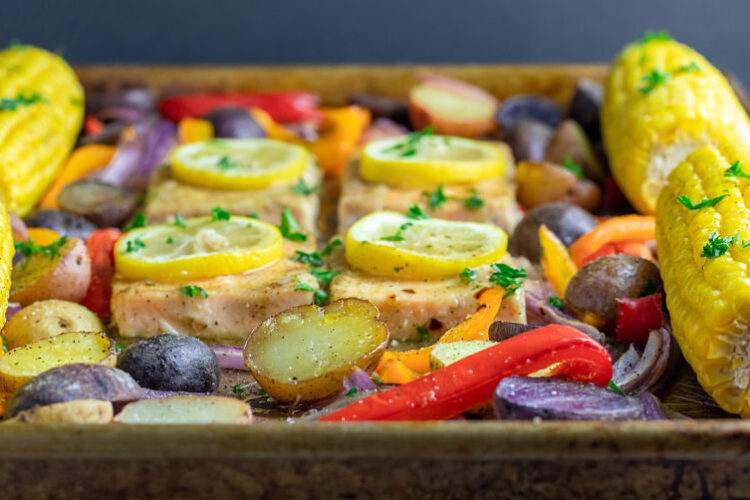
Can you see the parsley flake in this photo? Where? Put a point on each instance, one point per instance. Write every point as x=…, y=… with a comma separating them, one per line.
x=170, y=240
x=557, y=302
x=29, y=248
x=319, y=296
x=118, y=347
x=218, y=213
x=508, y=277
x=474, y=202
x=237, y=389
x=138, y=220
x=735, y=170
x=653, y=80
x=568, y=164
x=687, y=68
x=415, y=212
x=717, y=245
x=648, y=289
x=424, y=333
x=324, y=275
x=436, y=198
x=614, y=387
x=303, y=189
x=409, y=146
x=11, y=104
x=352, y=392
x=313, y=259
x=330, y=246
x=650, y=36
x=289, y=226
x=253, y=215
x=193, y=290
x=468, y=274
x=710, y=202
x=134, y=245
x=225, y=163
x=179, y=221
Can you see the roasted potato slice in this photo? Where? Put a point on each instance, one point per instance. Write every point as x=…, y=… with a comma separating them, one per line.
x=49, y=318
x=24, y=363
x=79, y=411
x=304, y=353
x=62, y=272
x=186, y=410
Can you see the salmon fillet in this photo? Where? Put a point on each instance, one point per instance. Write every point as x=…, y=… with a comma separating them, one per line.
x=235, y=305
x=167, y=196
x=359, y=198
x=406, y=304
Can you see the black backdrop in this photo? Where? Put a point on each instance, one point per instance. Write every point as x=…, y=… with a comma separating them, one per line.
x=292, y=31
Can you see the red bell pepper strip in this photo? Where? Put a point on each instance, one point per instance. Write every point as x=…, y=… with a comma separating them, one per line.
x=92, y=125
x=558, y=349
x=636, y=248
x=284, y=107
x=637, y=317
x=101, y=246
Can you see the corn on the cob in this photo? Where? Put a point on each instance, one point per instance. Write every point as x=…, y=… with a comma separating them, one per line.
x=662, y=101
x=704, y=255
x=41, y=110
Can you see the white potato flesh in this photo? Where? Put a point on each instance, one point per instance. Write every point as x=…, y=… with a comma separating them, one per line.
x=186, y=410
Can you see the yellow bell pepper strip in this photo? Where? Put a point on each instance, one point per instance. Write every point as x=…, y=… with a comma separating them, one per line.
x=82, y=162
x=340, y=133
x=273, y=129
x=194, y=130
x=558, y=267
x=555, y=350
x=42, y=236
x=626, y=227
x=417, y=361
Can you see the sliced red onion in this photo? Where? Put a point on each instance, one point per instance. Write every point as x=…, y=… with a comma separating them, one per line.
x=652, y=409
x=125, y=161
x=158, y=142
x=652, y=368
x=230, y=357
x=360, y=380
x=526, y=398
x=382, y=128
x=141, y=99
x=154, y=394
x=18, y=227
x=540, y=312
x=122, y=114
x=12, y=310
x=625, y=364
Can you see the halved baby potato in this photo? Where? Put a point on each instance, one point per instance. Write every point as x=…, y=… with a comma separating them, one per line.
x=186, y=410
x=49, y=318
x=79, y=411
x=304, y=353
x=24, y=363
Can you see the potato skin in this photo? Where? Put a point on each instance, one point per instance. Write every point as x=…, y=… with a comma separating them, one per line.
x=569, y=222
x=49, y=318
x=64, y=277
x=74, y=381
x=79, y=411
x=596, y=285
x=171, y=362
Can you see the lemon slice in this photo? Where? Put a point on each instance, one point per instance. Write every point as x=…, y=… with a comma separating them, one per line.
x=390, y=244
x=426, y=160
x=237, y=163
x=203, y=248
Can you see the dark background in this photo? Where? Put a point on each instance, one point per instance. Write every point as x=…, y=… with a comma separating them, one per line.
x=384, y=31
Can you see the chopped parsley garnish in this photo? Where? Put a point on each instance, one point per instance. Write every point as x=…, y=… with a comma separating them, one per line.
x=653, y=80
x=352, y=392
x=138, y=220
x=193, y=290
x=323, y=275
x=508, y=277
x=225, y=163
x=330, y=246
x=468, y=274
x=409, y=146
x=686, y=68
x=474, y=202
x=649, y=36
x=415, y=212
x=557, y=302
x=134, y=245
x=319, y=296
x=76, y=101
x=5, y=347
x=393, y=237
x=170, y=240
x=735, y=170
x=289, y=226
x=261, y=391
x=614, y=387
x=436, y=198
x=310, y=258
x=303, y=189
x=179, y=221
x=218, y=213
x=29, y=248
x=118, y=347
x=717, y=245
x=568, y=164
x=710, y=202
x=253, y=215
x=424, y=333
x=237, y=389
x=11, y=104
x=746, y=243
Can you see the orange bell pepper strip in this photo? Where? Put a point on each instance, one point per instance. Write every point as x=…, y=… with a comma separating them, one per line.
x=626, y=227
x=194, y=130
x=42, y=236
x=475, y=327
x=636, y=248
x=558, y=267
x=395, y=371
x=342, y=129
x=81, y=163
x=555, y=350
x=273, y=129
